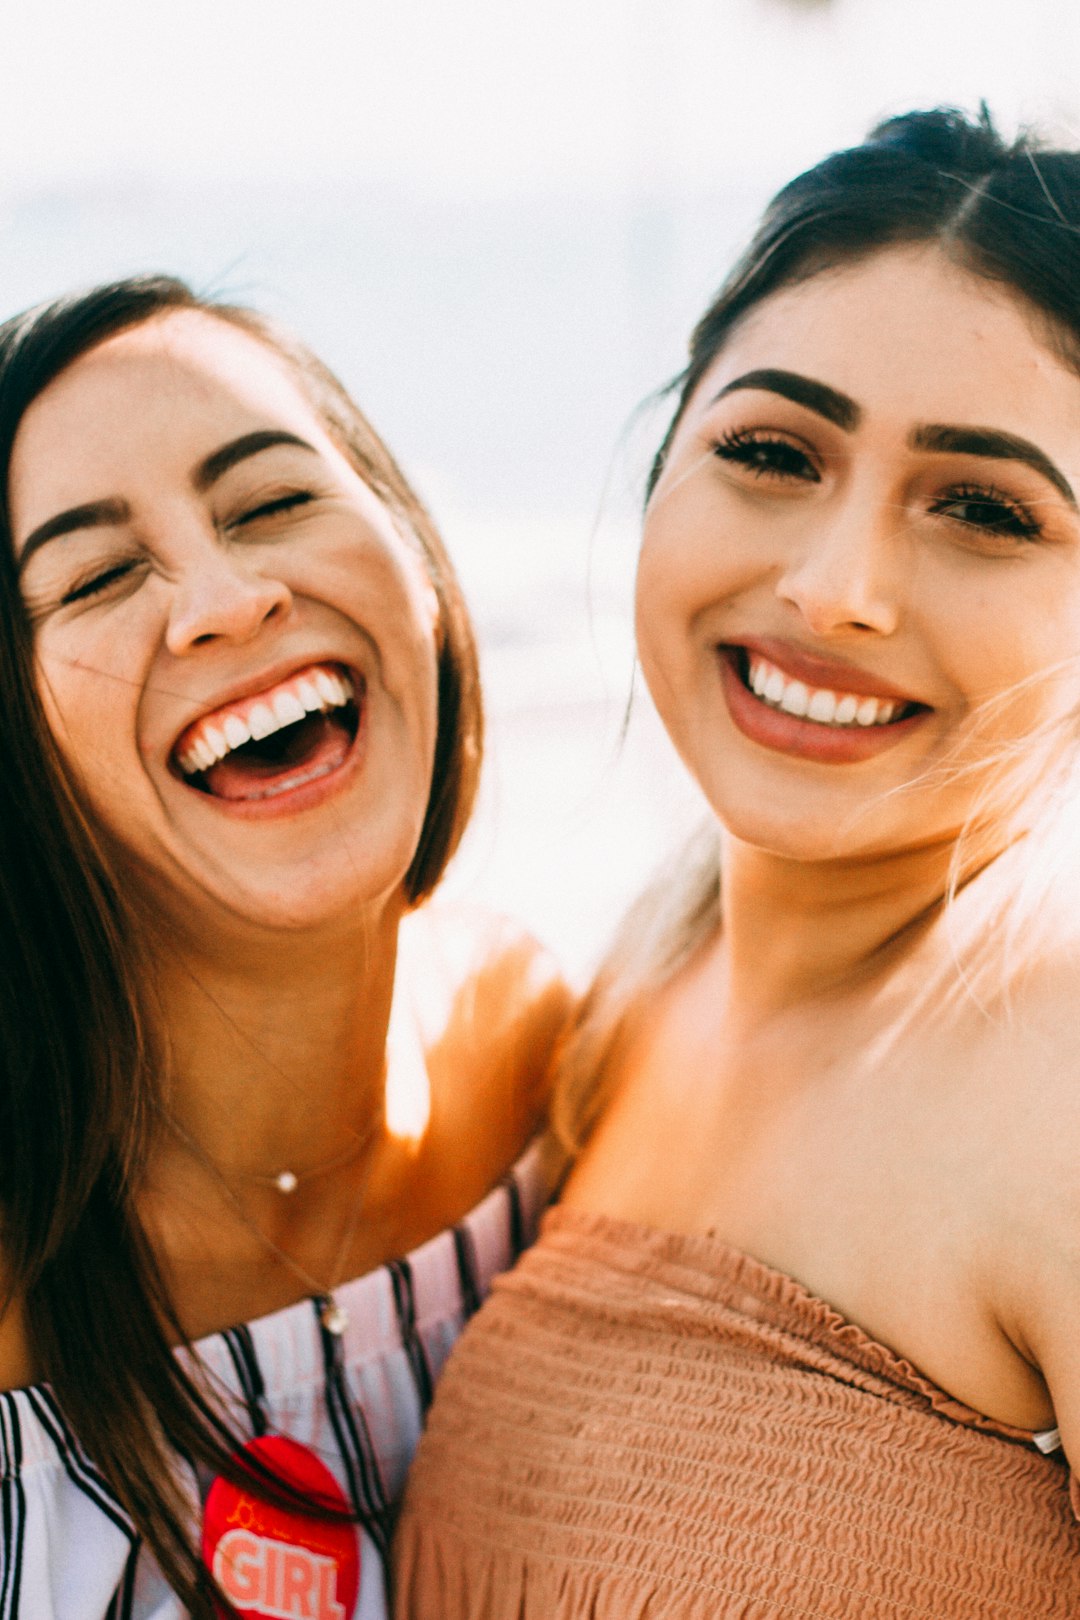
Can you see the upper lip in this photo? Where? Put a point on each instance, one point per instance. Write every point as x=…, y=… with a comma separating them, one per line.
x=829, y=674
x=273, y=675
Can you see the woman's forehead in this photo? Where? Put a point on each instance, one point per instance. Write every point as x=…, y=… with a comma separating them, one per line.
x=908, y=331
x=182, y=353
x=168, y=389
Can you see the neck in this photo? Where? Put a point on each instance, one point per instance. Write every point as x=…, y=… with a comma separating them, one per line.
x=276, y=1048
x=797, y=931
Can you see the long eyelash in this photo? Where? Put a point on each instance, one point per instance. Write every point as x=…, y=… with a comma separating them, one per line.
x=282, y=503
x=739, y=444
x=988, y=495
x=97, y=582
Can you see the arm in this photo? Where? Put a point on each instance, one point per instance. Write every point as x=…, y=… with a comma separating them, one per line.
x=493, y=1007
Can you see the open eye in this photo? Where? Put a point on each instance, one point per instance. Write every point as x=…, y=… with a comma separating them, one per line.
x=97, y=582
x=767, y=455
x=988, y=510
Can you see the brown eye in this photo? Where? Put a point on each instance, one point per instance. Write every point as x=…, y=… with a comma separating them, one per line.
x=990, y=511
x=767, y=457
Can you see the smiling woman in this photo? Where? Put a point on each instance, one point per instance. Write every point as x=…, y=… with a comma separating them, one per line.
x=265, y=1117
x=801, y=1339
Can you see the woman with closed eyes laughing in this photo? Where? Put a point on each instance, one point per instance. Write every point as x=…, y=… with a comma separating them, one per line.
x=801, y=1337
x=265, y=1119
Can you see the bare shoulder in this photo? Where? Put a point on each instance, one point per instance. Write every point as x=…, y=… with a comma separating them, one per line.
x=1031, y=1140
x=493, y=1005
x=1032, y=1044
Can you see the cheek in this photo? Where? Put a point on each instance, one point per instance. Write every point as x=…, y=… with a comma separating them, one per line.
x=1021, y=668
x=688, y=574
x=90, y=711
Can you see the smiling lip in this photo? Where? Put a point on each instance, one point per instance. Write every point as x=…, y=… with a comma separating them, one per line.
x=264, y=707
x=821, y=674
x=835, y=744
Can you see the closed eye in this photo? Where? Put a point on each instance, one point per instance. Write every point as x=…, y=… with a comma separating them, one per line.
x=767, y=456
x=273, y=508
x=96, y=583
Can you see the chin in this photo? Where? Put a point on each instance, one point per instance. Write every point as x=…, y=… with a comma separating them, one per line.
x=784, y=824
x=337, y=889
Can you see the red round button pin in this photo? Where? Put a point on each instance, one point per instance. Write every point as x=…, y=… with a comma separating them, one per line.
x=279, y=1563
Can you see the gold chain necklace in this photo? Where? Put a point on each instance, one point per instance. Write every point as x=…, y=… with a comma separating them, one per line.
x=332, y=1314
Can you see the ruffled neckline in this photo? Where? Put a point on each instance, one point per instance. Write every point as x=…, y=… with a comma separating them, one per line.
x=707, y=1267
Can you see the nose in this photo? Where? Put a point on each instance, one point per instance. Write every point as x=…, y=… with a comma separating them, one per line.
x=219, y=599
x=848, y=572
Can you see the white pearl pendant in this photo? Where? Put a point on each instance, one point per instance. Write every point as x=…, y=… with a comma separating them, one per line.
x=333, y=1318
x=286, y=1182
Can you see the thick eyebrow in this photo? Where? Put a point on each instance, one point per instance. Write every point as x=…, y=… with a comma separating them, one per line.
x=995, y=445
x=218, y=463
x=91, y=515
x=111, y=512
x=828, y=402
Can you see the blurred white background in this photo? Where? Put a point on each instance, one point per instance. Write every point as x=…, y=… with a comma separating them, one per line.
x=498, y=222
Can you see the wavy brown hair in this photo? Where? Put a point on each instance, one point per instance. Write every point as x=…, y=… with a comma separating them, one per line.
x=78, y=1071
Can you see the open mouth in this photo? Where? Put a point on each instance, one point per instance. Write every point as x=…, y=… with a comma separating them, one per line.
x=836, y=710
x=275, y=741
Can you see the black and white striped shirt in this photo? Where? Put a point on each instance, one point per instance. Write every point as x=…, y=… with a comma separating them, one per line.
x=67, y=1548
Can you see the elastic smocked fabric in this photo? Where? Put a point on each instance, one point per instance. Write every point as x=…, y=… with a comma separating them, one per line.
x=642, y=1424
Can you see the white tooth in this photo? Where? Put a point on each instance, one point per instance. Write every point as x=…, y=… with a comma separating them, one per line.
x=885, y=713
x=203, y=753
x=288, y=708
x=262, y=721
x=326, y=687
x=795, y=699
x=758, y=677
x=867, y=711
x=341, y=695
x=236, y=732
x=308, y=696
x=188, y=763
x=349, y=687
x=216, y=741
x=845, y=710
x=774, y=686
x=822, y=706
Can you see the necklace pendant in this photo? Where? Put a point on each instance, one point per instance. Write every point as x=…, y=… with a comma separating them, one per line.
x=334, y=1318
x=286, y=1182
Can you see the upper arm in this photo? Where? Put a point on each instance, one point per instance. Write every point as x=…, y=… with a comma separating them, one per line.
x=497, y=1006
x=1034, y=1248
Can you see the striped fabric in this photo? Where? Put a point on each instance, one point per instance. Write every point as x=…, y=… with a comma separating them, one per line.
x=68, y=1550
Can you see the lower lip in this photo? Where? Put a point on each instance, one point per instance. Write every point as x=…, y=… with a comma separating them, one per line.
x=305, y=796
x=806, y=739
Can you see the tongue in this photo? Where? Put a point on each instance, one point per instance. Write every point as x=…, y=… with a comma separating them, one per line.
x=312, y=748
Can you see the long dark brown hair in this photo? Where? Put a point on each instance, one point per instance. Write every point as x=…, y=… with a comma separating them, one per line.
x=1006, y=212
x=77, y=1046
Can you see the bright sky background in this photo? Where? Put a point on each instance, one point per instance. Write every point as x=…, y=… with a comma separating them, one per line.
x=498, y=219
x=496, y=96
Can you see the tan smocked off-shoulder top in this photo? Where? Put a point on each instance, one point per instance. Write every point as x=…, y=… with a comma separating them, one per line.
x=641, y=1424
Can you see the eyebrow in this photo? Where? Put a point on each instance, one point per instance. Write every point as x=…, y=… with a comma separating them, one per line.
x=996, y=446
x=91, y=515
x=111, y=512
x=840, y=409
x=828, y=402
x=219, y=462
